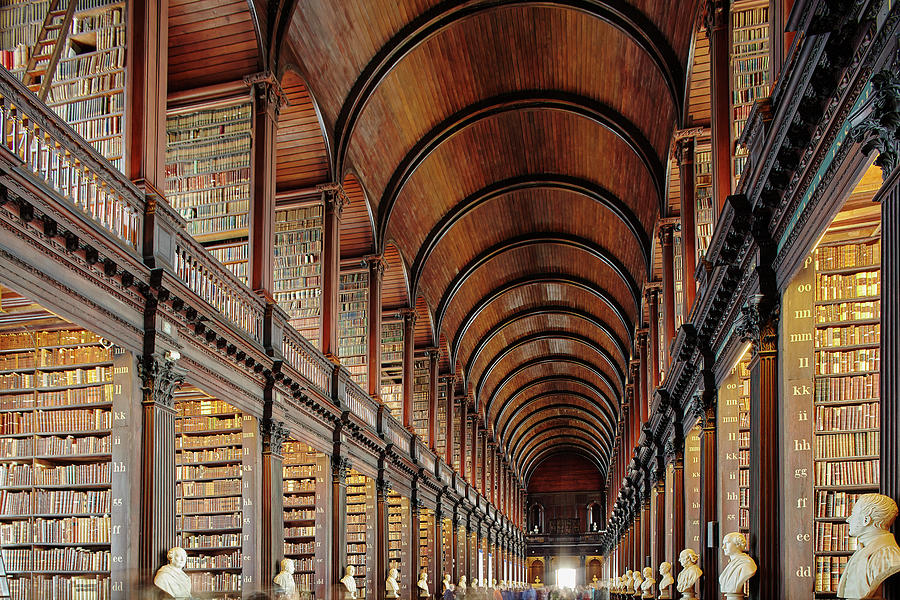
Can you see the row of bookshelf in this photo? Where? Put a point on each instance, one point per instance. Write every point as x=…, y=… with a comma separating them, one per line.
x=95, y=394
x=842, y=445
x=18, y=475
x=843, y=418
x=353, y=298
x=853, y=473
x=848, y=286
x=834, y=537
x=54, y=421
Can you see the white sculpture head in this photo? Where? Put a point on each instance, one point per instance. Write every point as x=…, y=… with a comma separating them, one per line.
x=665, y=568
x=350, y=571
x=423, y=574
x=393, y=574
x=734, y=543
x=287, y=566
x=648, y=572
x=628, y=574
x=872, y=512
x=447, y=577
x=688, y=557
x=462, y=580
x=177, y=557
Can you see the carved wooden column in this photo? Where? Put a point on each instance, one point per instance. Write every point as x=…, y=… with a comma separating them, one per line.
x=409, y=347
x=709, y=505
x=666, y=240
x=676, y=453
x=433, y=356
x=463, y=432
x=476, y=426
x=268, y=99
x=642, y=341
x=160, y=377
x=340, y=469
x=484, y=463
x=637, y=409
x=759, y=325
x=273, y=434
x=412, y=572
x=645, y=527
x=450, y=382
x=334, y=200
x=382, y=490
x=651, y=296
x=454, y=548
x=684, y=155
x=376, y=283
x=716, y=23
x=659, y=544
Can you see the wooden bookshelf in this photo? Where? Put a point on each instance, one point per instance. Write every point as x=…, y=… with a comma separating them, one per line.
x=441, y=415
x=57, y=397
x=426, y=543
x=361, y=529
x=679, y=281
x=298, y=267
x=208, y=177
x=446, y=566
x=399, y=538
x=88, y=85
x=211, y=462
x=353, y=323
x=704, y=213
x=692, y=489
x=749, y=69
x=457, y=438
x=392, y=365
x=421, y=397
x=743, y=381
x=305, y=487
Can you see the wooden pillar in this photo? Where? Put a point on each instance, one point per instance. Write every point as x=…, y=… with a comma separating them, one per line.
x=473, y=475
x=716, y=23
x=889, y=197
x=678, y=506
x=412, y=570
x=765, y=409
x=160, y=377
x=659, y=544
x=450, y=382
x=273, y=434
x=642, y=339
x=463, y=432
x=636, y=401
x=340, y=469
x=684, y=154
x=454, y=548
x=484, y=463
x=382, y=491
x=709, y=505
x=651, y=294
x=334, y=200
x=409, y=345
x=376, y=283
x=433, y=357
x=666, y=240
x=268, y=99
x=645, y=530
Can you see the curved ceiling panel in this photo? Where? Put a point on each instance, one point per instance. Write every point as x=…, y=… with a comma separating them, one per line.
x=541, y=392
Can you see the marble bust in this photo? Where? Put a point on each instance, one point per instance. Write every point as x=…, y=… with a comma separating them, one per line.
x=349, y=583
x=627, y=581
x=447, y=583
x=461, y=587
x=391, y=587
x=665, y=584
x=171, y=578
x=424, y=592
x=285, y=587
x=636, y=581
x=690, y=573
x=649, y=581
x=877, y=556
x=740, y=566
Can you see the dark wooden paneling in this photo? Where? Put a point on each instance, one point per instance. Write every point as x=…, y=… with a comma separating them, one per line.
x=565, y=473
x=394, y=292
x=302, y=155
x=357, y=239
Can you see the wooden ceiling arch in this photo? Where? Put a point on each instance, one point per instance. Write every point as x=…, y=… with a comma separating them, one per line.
x=561, y=449
x=608, y=407
x=555, y=440
x=559, y=410
x=554, y=425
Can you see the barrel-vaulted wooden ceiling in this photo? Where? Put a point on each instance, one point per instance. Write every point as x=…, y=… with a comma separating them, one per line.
x=509, y=158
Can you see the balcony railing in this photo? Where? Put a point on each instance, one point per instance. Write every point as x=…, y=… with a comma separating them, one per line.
x=59, y=157
x=306, y=360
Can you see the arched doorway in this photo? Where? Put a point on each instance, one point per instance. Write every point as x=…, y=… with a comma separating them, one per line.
x=594, y=570
x=536, y=572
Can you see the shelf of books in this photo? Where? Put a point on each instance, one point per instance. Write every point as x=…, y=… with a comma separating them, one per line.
x=304, y=483
x=421, y=397
x=692, y=488
x=847, y=418
x=749, y=69
x=399, y=535
x=208, y=177
x=392, y=365
x=446, y=550
x=461, y=541
x=87, y=89
x=679, y=278
x=210, y=464
x=457, y=437
x=442, y=421
x=704, y=215
x=60, y=472
x=426, y=542
x=743, y=376
x=361, y=529
x=298, y=267
x=353, y=323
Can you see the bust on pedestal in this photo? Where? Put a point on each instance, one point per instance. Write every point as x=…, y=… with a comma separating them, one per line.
x=391, y=586
x=461, y=587
x=285, y=587
x=349, y=583
x=665, y=584
x=171, y=578
x=691, y=573
x=878, y=556
x=740, y=566
x=424, y=592
x=627, y=587
x=647, y=586
x=636, y=581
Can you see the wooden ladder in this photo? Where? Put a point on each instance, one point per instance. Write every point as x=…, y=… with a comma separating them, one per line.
x=40, y=54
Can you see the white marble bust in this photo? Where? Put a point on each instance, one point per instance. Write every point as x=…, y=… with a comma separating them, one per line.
x=740, y=566
x=649, y=581
x=424, y=592
x=461, y=586
x=627, y=581
x=391, y=587
x=636, y=581
x=877, y=556
x=349, y=583
x=665, y=584
x=171, y=578
x=448, y=584
x=285, y=586
x=690, y=573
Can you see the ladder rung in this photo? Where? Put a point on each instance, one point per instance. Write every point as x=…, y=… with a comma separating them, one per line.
x=57, y=13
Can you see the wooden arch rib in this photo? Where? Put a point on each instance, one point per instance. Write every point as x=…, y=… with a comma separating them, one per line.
x=591, y=110
x=609, y=408
x=627, y=19
x=559, y=279
x=547, y=453
x=558, y=239
x=552, y=358
x=519, y=416
x=515, y=436
x=588, y=318
x=521, y=446
x=535, y=446
x=555, y=181
x=551, y=335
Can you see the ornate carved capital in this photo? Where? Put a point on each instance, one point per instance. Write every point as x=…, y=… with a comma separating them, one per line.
x=160, y=377
x=877, y=123
x=335, y=197
x=667, y=229
x=268, y=94
x=273, y=434
x=340, y=469
x=376, y=263
x=715, y=15
x=409, y=316
x=433, y=354
x=758, y=324
x=683, y=149
x=382, y=489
